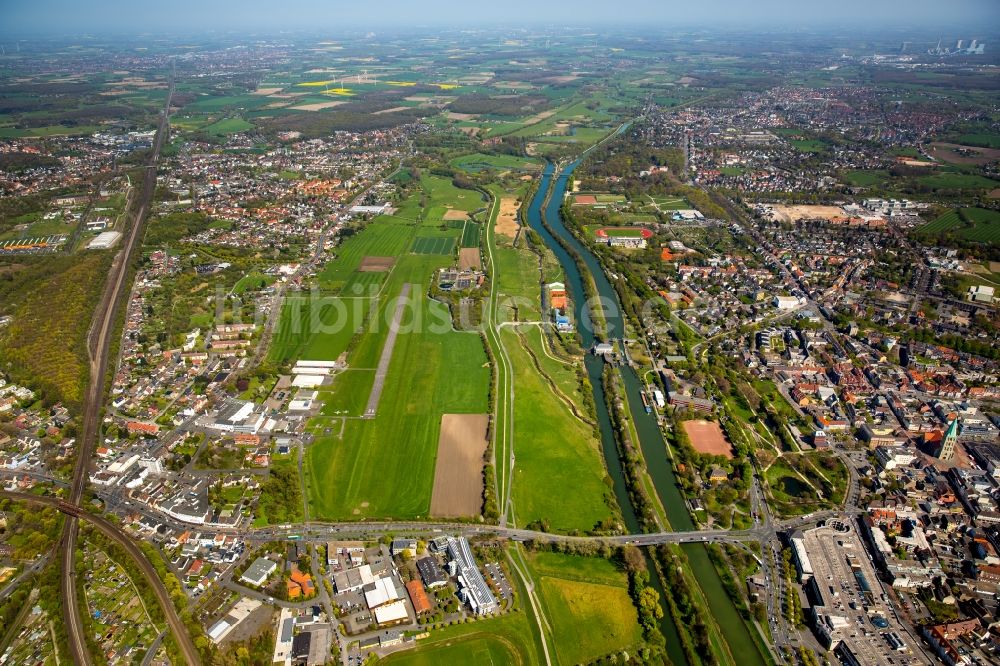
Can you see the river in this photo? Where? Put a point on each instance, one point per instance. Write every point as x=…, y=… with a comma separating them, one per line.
x=653, y=446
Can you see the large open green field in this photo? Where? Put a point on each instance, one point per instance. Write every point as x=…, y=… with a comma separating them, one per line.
x=317, y=330
x=809, y=145
x=384, y=466
x=974, y=224
x=383, y=237
x=477, y=162
x=587, y=605
x=958, y=181
x=559, y=472
x=862, y=178
x=228, y=126
x=985, y=140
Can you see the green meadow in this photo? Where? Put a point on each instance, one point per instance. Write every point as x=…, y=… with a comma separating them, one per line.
x=587, y=605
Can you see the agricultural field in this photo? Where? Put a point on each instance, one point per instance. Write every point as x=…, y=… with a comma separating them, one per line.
x=973, y=224
x=587, y=605
x=383, y=237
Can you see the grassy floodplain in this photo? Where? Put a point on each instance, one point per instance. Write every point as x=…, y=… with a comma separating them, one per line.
x=559, y=473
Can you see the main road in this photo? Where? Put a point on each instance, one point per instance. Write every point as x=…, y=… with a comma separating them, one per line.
x=98, y=345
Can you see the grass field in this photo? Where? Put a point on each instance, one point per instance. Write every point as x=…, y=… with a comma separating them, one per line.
x=50, y=130
x=228, y=126
x=385, y=466
x=481, y=162
x=383, y=237
x=809, y=145
x=252, y=282
x=508, y=639
x=586, y=602
x=318, y=331
x=559, y=472
x=667, y=203
x=958, y=181
x=984, y=140
x=980, y=225
x=866, y=178
x=432, y=245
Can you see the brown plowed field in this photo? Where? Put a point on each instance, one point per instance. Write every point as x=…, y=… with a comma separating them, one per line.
x=458, y=474
x=507, y=218
x=468, y=258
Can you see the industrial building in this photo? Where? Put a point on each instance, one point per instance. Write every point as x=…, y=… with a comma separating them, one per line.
x=473, y=589
x=104, y=240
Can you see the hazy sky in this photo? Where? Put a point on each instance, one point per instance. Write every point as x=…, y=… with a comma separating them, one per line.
x=74, y=16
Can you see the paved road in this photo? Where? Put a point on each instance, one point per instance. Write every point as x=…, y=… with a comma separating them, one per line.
x=38, y=565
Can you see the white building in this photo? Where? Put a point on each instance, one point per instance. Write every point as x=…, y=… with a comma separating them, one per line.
x=383, y=591
x=785, y=302
x=891, y=457
x=981, y=294
x=391, y=612
x=104, y=240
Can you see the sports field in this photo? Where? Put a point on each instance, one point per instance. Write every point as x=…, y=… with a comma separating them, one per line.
x=707, y=437
x=586, y=601
x=622, y=232
x=974, y=224
x=431, y=245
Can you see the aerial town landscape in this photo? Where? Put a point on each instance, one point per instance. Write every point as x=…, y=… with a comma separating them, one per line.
x=415, y=334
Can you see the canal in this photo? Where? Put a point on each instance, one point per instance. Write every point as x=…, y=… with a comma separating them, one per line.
x=548, y=205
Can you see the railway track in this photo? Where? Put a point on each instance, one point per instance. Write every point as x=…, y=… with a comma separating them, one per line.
x=98, y=347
